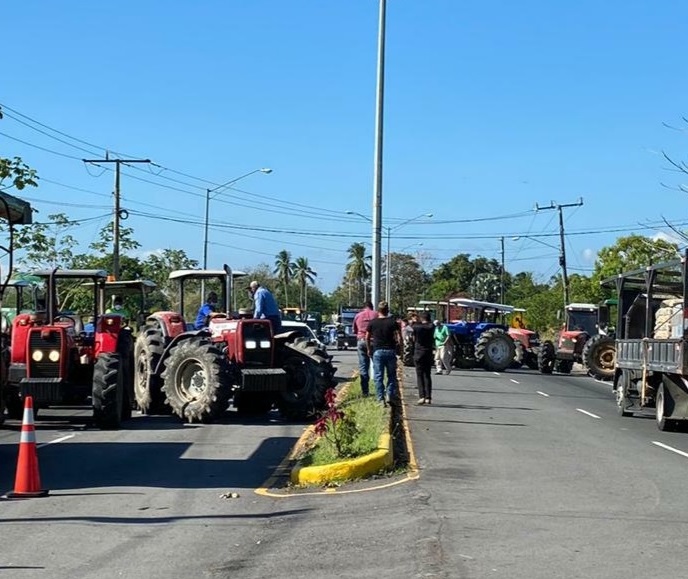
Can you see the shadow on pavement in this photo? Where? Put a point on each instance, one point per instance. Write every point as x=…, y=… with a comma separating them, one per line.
x=149, y=520
x=86, y=465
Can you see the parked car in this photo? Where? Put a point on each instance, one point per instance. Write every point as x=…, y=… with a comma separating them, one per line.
x=304, y=331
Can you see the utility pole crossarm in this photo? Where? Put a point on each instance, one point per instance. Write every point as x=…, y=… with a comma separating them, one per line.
x=562, y=240
x=117, y=210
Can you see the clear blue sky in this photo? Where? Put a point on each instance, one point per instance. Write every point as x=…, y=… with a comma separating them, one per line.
x=491, y=107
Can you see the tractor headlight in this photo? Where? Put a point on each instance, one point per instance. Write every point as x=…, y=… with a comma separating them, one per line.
x=54, y=355
x=250, y=344
x=265, y=343
x=37, y=355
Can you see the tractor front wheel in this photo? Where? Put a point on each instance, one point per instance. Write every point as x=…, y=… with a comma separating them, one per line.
x=148, y=349
x=197, y=381
x=546, y=358
x=108, y=391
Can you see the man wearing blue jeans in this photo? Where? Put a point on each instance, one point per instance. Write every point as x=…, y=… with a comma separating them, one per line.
x=383, y=339
x=360, y=327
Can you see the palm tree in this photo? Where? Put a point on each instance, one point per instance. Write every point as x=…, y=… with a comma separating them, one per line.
x=358, y=268
x=284, y=270
x=304, y=275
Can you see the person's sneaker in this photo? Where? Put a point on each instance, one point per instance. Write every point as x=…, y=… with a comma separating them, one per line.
x=428, y=401
x=421, y=401
x=438, y=372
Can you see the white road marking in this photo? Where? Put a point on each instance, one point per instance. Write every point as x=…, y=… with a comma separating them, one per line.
x=543, y=394
x=515, y=381
x=496, y=373
x=671, y=448
x=586, y=412
x=466, y=556
x=61, y=439
x=605, y=382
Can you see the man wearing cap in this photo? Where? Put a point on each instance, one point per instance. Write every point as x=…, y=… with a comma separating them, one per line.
x=205, y=310
x=265, y=306
x=360, y=327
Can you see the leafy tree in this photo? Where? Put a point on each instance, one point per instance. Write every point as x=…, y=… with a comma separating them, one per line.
x=105, y=240
x=284, y=269
x=157, y=268
x=407, y=282
x=14, y=173
x=303, y=275
x=47, y=245
x=629, y=253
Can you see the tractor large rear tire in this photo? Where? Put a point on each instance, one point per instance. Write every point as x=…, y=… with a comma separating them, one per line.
x=599, y=357
x=108, y=391
x=310, y=374
x=546, y=358
x=495, y=350
x=148, y=350
x=196, y=381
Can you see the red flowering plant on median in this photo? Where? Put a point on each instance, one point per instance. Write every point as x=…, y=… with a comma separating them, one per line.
x=336, y=426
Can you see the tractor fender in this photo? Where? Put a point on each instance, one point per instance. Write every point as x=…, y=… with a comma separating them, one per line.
x=170, y=323
x=195, y=335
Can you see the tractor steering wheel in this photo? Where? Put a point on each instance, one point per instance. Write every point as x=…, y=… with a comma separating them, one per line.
x=72, y=321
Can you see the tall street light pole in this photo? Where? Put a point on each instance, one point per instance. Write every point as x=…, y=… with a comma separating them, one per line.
x=377, y=178
x=208, y=197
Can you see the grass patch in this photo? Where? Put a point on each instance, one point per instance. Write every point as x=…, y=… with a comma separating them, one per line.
x=371, y=420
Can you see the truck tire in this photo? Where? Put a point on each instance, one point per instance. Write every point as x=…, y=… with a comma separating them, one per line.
x=664, y=406
x=108, y=391
x=518, y=354
x=599, y=357
x=309, y=375
x=197, y=381
x=148, y=350
x=621, y=392
x=546, y=358
x=495, y=350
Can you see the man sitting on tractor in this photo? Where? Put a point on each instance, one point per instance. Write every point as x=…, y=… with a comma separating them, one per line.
x=205, y=311
x=119, y=309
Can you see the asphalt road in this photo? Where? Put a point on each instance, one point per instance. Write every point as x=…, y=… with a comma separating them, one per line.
x=522, y=476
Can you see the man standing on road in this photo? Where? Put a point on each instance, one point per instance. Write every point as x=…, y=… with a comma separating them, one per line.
x=424, y=341
x=265, y=306
x=360, y=327
x=444, y=352
x=383, y=339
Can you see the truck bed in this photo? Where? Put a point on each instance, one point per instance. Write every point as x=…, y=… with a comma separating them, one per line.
x=665, y=355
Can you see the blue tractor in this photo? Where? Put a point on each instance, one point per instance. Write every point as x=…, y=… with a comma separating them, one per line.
x=479, y=340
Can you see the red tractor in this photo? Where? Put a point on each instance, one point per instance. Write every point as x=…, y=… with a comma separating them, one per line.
x=581, y=322
x=235, y=358
x=57, y=360
x=527, y=341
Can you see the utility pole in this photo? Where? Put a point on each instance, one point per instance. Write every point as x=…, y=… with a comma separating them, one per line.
x=118, y=210
x=562, y=240
x=501, y=283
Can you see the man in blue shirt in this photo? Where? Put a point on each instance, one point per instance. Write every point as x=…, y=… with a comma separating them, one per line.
x=265, y=306
x=205, y=310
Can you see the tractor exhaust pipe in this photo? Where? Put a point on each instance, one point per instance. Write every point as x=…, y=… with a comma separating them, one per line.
x=229, y=288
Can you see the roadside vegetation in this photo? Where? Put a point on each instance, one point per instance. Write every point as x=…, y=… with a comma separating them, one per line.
x=349, y=428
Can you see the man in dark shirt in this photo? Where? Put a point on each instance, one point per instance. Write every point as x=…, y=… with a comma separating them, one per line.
x=424, y=342
x=383, y=339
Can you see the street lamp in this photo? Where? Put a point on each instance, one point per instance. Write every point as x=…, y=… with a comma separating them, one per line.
x=208, y=197
x=388, y=231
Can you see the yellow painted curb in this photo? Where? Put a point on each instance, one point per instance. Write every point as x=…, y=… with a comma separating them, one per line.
x=358, y=467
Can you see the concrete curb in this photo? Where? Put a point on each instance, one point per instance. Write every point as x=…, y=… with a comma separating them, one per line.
x=359, y=467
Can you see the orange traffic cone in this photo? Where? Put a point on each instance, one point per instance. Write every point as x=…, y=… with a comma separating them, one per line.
x=28, y=480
